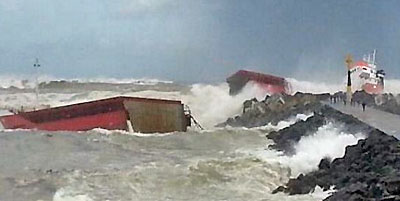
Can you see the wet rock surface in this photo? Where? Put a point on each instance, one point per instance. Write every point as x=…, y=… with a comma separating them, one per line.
x=285, y=139
x=369, y=170
x=274, y=109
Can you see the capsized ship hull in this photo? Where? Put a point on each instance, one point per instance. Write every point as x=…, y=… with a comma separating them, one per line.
x=123, y=113
x=269, y=83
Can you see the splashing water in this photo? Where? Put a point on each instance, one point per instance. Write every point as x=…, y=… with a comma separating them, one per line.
x=216, y=164
x=328, y=141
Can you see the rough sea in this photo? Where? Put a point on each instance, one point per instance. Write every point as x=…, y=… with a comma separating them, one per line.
x=226, y=164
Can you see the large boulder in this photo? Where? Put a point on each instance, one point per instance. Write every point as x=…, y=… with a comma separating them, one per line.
x=369, y=170
x=285, y=138
x=274, y=109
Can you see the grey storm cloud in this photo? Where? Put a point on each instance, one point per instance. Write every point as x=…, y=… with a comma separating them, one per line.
x=195, y=41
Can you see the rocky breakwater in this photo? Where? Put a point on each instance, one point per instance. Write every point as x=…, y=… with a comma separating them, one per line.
x=286, y=138
x=369, y=170
x=274, y=109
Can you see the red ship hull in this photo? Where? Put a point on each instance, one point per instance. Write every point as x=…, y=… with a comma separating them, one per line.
x=373, y=88
x=268, y=83
x=112, y=114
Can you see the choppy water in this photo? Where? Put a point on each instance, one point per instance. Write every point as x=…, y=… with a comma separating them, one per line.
x=216, y=164
x=213, y=165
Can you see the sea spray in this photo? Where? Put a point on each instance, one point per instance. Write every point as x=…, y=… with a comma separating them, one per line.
x=329, y=141
x=313, y=87
x=64, y=194
x=28, y=82
x=286, y=123
x=185, y=166
x=392, y=86
x=212, y=104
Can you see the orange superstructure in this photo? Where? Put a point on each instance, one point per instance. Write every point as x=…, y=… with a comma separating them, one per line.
x=366, y=76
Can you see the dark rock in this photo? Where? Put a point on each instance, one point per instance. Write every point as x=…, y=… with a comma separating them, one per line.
x=301, y=185
x=324, y=164
x=285, y=139
x=279, y=189
x=369, y=170
x=274, y=109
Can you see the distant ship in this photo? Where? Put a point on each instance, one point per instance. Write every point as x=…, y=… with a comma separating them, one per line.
x=270, y=84
x=366, y=76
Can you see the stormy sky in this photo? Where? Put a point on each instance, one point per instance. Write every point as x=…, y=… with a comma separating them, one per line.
x=196, y=40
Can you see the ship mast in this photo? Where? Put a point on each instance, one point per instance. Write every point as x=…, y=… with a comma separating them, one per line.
x=374, y=57
x=349, y=61
x=36, y=66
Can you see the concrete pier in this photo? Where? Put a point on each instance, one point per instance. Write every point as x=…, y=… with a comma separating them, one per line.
x=384, y=121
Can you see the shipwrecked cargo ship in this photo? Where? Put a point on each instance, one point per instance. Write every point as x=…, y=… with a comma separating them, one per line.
x=269, y=83
x=132, y=114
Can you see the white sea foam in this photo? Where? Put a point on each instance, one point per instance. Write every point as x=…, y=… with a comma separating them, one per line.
x=29, y=81
x=212, y=104
x=288, y=122
x=392, y=86
x=230, y=174
x=328, y=141
x=313, y=87
x=64, y=194
x=123, y=132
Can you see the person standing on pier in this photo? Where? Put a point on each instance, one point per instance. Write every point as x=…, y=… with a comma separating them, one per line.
x=363, y=106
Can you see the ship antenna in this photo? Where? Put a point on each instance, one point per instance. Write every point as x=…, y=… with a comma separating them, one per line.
x=36, y=66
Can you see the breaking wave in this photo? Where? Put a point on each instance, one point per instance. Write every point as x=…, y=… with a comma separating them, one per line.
x=233, y=164
x=212, y=104
x=65, y=194
x=288, y=122
x=313, y=87
x=392, y=86
x=29, y=81
x=185, y=167
x=329, y=141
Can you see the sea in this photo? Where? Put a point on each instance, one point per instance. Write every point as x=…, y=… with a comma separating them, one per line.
x=224, y=164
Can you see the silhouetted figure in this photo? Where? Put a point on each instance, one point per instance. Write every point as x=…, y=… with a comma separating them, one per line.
x=334, y=99
x=344, y=101
x=363, y=106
